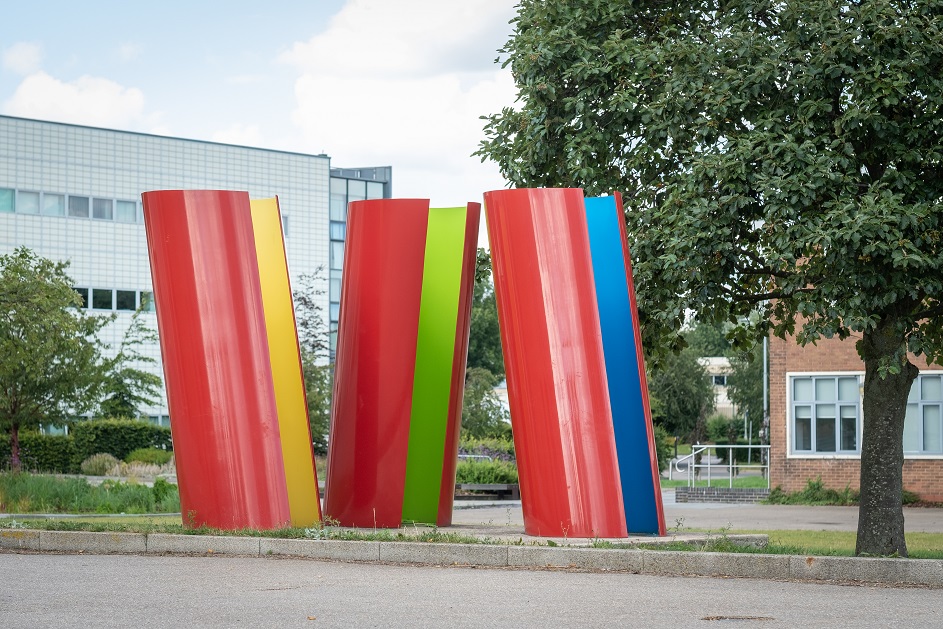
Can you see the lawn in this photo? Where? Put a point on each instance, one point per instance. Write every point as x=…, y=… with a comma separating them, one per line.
x=919, y=545
x=741, y=482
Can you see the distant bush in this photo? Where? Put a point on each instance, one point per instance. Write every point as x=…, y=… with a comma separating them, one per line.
x=500, y=449
x=41, y=453
x=720, y=427
x=99, y=464
x=154, y=456
x=486, y=472
x=815, y=493
x=664, y=447
x=117, y=437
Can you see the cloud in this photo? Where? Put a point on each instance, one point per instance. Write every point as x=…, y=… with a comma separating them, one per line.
x=87, y=100
x=23, y=58
x=129, y=51
x=404, y=84
x=406, y=38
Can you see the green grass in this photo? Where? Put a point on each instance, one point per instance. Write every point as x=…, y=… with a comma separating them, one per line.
x=781, y=542
x=741, y=482
x=36, y=493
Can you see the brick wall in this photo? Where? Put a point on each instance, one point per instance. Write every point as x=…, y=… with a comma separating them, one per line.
x=720, y=494
x=921, y=476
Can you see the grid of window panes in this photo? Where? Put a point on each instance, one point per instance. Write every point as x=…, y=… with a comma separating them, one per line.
x=923, y=426
x=116, y=299
x=73, y=193
x=75, y=206
x=343, y=191
x=825, y=414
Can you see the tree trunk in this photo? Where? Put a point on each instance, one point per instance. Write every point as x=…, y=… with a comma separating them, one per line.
x=881, y=514
x=15, y=447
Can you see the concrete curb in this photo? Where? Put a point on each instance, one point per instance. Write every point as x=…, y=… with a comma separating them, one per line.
x=925, y=572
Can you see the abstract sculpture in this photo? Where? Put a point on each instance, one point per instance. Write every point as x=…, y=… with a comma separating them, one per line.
x=578, y=435
x=241, y=440
x=400, y=365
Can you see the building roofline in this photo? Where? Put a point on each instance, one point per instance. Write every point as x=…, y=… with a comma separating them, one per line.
x=163, y=137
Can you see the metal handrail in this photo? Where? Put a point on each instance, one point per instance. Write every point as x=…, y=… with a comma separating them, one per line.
x=692, y=469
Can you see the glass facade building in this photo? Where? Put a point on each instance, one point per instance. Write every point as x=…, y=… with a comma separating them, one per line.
x=73, y=193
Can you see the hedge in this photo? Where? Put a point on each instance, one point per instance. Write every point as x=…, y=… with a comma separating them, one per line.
x=64, y=454
x=41, y=453
x=117, y=437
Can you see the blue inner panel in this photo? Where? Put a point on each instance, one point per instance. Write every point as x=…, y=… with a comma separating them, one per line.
x=622, y=366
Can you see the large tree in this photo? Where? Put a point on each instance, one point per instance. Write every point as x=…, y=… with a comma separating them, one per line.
x=126, y=386
x=484, y=341
x=315, y=347
x=50, y=366
x=778, y=159
x=684, y=392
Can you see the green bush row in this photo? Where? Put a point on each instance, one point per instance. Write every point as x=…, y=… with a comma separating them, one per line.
x=64, y=454
x=496, y=448
x=816, y=493
x=485, y=472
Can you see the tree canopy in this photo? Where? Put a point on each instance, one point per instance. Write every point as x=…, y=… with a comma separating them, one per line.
x=484, y=340
x=126, y=387
x=684, y=392
x=49, y=356
x=315, y=347
x=782, y=169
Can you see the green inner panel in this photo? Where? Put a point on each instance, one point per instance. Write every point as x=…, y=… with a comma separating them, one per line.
x=435, y=348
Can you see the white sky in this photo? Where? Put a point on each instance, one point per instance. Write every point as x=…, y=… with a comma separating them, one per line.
x=369, y=82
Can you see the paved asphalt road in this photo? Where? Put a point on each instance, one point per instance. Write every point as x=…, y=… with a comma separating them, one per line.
x=134, y=591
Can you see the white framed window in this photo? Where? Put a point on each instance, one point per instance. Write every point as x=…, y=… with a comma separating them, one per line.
x=923, y=426
x=126, y=211
x=6, y=200
x=27, y=202
x=824, y=414
x=53, y=204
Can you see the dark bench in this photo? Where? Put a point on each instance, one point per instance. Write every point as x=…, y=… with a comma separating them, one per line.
x=499, y=491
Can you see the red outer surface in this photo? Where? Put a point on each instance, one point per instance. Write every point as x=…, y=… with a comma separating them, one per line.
x=556, y=375
x=216, y=360
x=375, y=361
x=652, y=454
x=457, y=392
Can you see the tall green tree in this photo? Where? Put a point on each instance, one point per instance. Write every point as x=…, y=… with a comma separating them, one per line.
x=127, y=387
x=684, y=392
x=778, y=159
x=482, y=412
x=707, y=339
x=315, y=351
x=484, y=339
x=49, y=356
x=745, y=385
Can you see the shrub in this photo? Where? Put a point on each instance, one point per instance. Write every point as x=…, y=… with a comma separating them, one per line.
x=496, y=448
x=815, y=493
x=154, y=456
x=99, y=464
x=719, y=428
x=664, y=447
x=41, y=453
x=118, y=437
x=486, y=472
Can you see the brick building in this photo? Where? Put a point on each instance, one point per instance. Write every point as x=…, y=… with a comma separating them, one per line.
x=815, y=406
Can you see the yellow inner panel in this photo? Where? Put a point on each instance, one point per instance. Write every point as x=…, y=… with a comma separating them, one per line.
x=303, y=500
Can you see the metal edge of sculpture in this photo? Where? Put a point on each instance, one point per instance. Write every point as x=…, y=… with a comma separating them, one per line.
x=400, y=362
x=240, y=440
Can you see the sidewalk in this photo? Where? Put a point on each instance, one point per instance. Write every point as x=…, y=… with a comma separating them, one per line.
x=501, y=525
x=709, y=516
